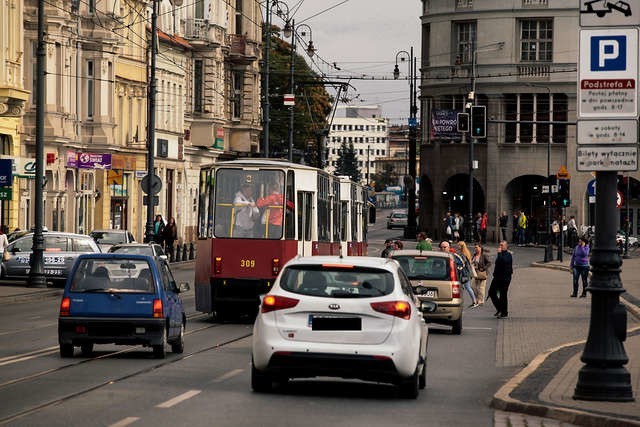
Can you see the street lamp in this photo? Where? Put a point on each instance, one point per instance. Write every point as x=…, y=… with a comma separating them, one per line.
x=290, y=30
x=410, y=229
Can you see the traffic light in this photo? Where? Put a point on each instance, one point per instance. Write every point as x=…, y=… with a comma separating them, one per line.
x=564, y=192
x=463, y=122
x=478, y=121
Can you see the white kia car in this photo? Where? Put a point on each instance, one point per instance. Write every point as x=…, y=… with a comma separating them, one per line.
x=347, y=317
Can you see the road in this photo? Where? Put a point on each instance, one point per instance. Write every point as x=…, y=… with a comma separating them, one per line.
x=209, y=384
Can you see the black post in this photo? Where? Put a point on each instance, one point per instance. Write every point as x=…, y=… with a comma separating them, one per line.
x=603, y=377
x=36, y=262
x=292, y=87
x=410, y=229
x=628, y=224
x=561, y=237
x=266, y=102
x=548, y=249
x=151, y=123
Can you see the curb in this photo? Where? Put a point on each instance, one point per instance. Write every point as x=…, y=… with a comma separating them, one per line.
x=502, y=400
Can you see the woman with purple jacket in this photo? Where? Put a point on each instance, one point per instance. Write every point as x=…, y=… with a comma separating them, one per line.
x=580, y=266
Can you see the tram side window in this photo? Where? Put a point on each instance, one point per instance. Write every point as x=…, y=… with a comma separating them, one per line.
x=205, y=206
x=305, y=210
x=249, y=204
x=290, y=225
x=324, y=219
x=337, y=216
x=345, y=221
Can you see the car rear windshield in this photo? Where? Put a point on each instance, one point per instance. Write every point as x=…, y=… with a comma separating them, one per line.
x=140, y=250
x=326, y=281
x=424, y=267
x=109, y=238
x=121, y=275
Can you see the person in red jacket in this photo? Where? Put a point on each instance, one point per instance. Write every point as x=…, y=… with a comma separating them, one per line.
x=483, y=228
x=273, y=205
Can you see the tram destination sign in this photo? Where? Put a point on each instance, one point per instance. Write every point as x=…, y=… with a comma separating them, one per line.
x=621, y=131
x=607, y=158
x=608, y=73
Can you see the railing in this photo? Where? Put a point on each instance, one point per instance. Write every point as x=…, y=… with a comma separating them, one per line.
x=237, y=44
x=535, y=3
x=464, y=4
x=534, y=71
x=200, y=29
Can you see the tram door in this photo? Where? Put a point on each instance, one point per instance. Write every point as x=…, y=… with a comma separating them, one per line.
x=305, y=222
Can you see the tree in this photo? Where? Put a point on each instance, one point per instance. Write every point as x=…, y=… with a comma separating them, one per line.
x=347, y=163
x=386, y=177
x=312, y=102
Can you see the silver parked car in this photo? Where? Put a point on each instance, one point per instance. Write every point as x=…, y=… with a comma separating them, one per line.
x=60, y=253
x=107, y=238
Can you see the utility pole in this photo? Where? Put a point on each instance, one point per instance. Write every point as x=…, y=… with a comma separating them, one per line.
x=292, y=87
x=36, y=262
x=151, y=123
x=267, y=103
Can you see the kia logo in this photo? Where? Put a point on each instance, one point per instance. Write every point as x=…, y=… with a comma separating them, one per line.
x=334, y=306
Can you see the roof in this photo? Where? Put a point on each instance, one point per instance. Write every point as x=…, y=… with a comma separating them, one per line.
x=360, y=261
x=414, y=252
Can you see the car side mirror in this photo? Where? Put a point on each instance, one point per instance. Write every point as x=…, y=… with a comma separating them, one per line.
x=183, y=287
x=428, y=307
x=164, y=257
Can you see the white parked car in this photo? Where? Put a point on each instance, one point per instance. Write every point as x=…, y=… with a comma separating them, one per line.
x=347, y=317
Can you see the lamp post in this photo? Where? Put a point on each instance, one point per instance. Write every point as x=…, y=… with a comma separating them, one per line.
x=410, y=229
x=290, y=30
x=151, y=124
x=36, y=262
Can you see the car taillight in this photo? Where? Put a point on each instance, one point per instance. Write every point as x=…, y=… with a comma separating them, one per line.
x=157, y=308
x=218, y=265
x=275, y=266
x=400, y=309
x=455, y=290
x=277, y=302
x=65, y=307
x=452, y=270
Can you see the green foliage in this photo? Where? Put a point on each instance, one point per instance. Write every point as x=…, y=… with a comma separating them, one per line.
x=347, y=163
x=386, y=177
x=312, y=102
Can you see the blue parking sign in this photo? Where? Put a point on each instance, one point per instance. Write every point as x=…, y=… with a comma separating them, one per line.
x=609, y=53
x=6, y=173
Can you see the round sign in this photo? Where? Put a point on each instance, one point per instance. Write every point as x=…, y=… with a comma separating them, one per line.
x=156, y=184
x=618, y=199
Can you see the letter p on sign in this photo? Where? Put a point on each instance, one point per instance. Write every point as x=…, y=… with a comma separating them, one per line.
x=608, y=53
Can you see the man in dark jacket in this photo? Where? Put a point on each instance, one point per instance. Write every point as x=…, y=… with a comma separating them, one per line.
x=502, y=272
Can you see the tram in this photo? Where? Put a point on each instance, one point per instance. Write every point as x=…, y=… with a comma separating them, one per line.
x=256, y=214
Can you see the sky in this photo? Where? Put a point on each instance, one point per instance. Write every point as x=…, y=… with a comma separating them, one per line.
x=362, y=38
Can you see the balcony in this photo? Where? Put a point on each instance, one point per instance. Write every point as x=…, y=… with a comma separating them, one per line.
x=464, y=4
x=200, y=31
x=534, y=71
x=242, y=50
x=535, y=3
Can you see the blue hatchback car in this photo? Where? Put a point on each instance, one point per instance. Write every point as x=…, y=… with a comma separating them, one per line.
x=121, y=299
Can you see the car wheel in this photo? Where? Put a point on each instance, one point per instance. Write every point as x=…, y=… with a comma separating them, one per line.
x=410, y=387
x=66, y=350
x=456, y=328
x=160, y=350
x=178, y=345
x=422, y=380
x=87, y=349
x=260, y=382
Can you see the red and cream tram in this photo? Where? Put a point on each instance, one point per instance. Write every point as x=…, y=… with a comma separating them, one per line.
x=256, y=214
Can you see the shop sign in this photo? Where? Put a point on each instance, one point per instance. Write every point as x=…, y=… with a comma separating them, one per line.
x=23, y=167
x=94, y=161
x=219, y=141
x=6, y=193
x=6, y=172
x=444, y=125
x=72, y=159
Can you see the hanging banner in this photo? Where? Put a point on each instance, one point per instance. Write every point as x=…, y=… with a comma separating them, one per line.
x=94, y=161
x=444, y=125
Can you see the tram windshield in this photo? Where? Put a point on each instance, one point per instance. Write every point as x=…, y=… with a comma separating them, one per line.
x=249, y=204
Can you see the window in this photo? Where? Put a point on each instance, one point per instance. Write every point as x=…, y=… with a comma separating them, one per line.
x=236, y=102
x=465, y=38
x=197, y=85
x=536, y=107
x=90, y=89
x=536, y=40
x=199, y=12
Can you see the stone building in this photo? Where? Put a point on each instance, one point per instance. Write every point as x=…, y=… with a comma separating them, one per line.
x=519, y=60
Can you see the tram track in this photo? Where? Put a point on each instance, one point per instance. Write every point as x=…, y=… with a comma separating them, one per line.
x=34, y=409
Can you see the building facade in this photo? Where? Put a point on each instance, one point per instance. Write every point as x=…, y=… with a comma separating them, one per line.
x=367, y=131
x=520, y=62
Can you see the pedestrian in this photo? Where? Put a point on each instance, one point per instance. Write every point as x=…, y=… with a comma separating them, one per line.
x=572, y=231
x=170, y=237
x=478, y=224
x=481, y=263
x=398, y=245
x=4, y=242
x=483, y=228
x=502, y=272
x=504, y=221
x=580, y=266
x=458, y=224
x=463, y=252
x=388, y=248
x=246, y=211
x=522, y=228
x=158, y=230
x=423, y=244
x=448, y=221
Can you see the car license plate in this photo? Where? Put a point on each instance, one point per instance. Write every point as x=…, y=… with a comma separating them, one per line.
x=326, y=323
x=431, y=293
x=56, y=260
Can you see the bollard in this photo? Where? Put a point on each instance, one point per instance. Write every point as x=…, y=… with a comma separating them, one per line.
x=184, y=252
x=170, y=254
x=191, y=249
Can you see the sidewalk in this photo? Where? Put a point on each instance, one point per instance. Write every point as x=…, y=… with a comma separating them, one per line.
x=541, y=312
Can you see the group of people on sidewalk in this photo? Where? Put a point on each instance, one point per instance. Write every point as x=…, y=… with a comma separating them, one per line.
x=165, y=234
